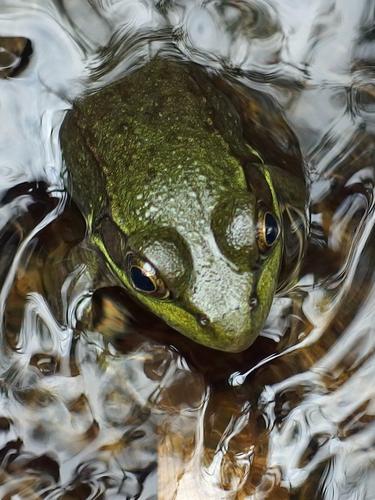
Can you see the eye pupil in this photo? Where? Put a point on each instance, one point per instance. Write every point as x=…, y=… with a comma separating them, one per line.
x=144, y=277
x=271, y=229
x=141, y=281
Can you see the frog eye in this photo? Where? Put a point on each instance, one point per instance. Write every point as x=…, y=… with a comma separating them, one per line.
x=268, y=231
x=144, y=277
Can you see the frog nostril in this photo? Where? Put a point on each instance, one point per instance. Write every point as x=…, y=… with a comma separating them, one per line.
x=253, y=303
x=203, y=320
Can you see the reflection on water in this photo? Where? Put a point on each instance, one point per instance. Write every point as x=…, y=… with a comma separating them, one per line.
x=100, y=400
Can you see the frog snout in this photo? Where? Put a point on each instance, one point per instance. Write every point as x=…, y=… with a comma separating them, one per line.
x=228, y=325
x=233, y=318
x=204, y=321
x=232, y=332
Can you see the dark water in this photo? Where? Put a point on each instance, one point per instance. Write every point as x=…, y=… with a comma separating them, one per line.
x=98, y=400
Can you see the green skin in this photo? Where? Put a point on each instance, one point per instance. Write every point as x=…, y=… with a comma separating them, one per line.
x=159, y=165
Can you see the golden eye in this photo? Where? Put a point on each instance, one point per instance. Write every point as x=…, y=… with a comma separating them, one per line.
x=268, y=231
x=144, y=277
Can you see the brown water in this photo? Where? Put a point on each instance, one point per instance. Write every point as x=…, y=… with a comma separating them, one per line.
x=99, y=400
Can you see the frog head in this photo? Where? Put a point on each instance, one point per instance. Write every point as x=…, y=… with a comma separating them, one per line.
x=202, y=252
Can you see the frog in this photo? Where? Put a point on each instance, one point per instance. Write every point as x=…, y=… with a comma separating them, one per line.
x=181, y=204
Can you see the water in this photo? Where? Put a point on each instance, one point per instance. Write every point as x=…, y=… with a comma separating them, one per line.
x=99, y=400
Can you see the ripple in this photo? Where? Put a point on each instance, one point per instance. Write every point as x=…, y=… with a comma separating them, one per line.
x=98, y=398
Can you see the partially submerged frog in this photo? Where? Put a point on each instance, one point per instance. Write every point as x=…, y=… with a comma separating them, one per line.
x=182, y=207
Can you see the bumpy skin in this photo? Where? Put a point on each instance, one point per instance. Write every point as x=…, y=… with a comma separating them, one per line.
x=159, y=164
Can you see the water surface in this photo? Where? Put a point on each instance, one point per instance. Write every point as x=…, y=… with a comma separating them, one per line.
x=99, y=400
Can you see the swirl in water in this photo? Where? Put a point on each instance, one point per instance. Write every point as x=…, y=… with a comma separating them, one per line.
x=98, y=397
